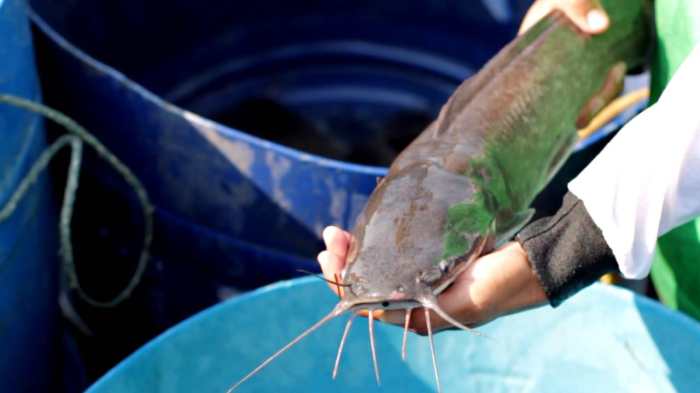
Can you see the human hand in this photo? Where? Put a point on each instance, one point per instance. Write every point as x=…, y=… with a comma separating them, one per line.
x=496, y=284
x=588, y=15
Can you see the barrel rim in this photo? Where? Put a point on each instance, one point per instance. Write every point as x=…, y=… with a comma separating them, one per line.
x=234, y=133
x=197, y=120
x=640, y=302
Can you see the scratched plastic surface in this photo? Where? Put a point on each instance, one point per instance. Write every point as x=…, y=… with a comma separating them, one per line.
x=28, y=267
x=603, y=340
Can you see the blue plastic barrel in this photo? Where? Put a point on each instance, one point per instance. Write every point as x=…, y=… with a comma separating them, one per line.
x=603, y=340
x=235, y=211
x=148, y=77
x=28, y=267
x=158, y=81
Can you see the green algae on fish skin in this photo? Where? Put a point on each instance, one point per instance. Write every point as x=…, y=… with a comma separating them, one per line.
x=463, y=218
x=515, y=165
x=501, y=201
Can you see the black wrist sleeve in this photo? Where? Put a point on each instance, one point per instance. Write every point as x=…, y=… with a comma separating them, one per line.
x=567, y=251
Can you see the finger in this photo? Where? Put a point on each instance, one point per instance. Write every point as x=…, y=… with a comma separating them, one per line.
x=378, y=314
x=419, y=325
x=394, y=317
x=337, y=241
x=537, y=11
x=331, y=266
x=587, y=15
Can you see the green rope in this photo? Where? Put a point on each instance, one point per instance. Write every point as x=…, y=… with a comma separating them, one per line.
x=41, y=163
x=75, y=142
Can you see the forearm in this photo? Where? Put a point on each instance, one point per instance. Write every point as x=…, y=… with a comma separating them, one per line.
x=567, y=251
x=647, y=180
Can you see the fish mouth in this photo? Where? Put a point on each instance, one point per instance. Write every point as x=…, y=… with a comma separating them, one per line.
x=384, y=304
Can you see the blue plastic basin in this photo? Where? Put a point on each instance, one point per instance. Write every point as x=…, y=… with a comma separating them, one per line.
x=603, y=340
x=28, y=265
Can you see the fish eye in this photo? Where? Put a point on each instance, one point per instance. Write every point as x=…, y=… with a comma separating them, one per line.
x=385, y=304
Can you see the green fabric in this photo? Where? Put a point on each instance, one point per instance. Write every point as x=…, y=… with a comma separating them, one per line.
x=676, y=264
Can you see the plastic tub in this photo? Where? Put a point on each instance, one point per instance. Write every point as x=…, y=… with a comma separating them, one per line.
x=28, y=267
x=604, y=339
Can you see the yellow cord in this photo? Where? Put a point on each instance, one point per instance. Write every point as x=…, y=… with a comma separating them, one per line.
x=610, y=279
x=613, y=109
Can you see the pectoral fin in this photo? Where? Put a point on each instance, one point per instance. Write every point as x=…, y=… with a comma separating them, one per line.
x=505, y=230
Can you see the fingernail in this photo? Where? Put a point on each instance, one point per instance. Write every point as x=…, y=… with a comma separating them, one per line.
x=322, y=258
x=597, y=20
x=328, y=233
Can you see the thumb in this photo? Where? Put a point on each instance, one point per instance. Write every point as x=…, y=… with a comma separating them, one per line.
x=587, y=15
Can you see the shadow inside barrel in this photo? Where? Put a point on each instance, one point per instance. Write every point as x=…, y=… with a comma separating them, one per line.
x=192, y=265
x=203, y=202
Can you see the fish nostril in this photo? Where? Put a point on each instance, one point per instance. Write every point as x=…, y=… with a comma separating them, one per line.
x=385, y=304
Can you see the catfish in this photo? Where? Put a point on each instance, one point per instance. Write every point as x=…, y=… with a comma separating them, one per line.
x=464, y=185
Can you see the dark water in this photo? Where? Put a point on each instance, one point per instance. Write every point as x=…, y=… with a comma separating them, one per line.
x=349, y=134
x=350, y=102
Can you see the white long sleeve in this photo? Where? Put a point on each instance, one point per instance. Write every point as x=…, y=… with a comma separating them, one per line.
x=646, y=181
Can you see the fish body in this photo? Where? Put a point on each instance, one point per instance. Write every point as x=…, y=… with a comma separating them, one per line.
x=465, y=184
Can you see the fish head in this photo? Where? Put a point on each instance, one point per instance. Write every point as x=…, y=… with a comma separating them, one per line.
x=397, y=252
